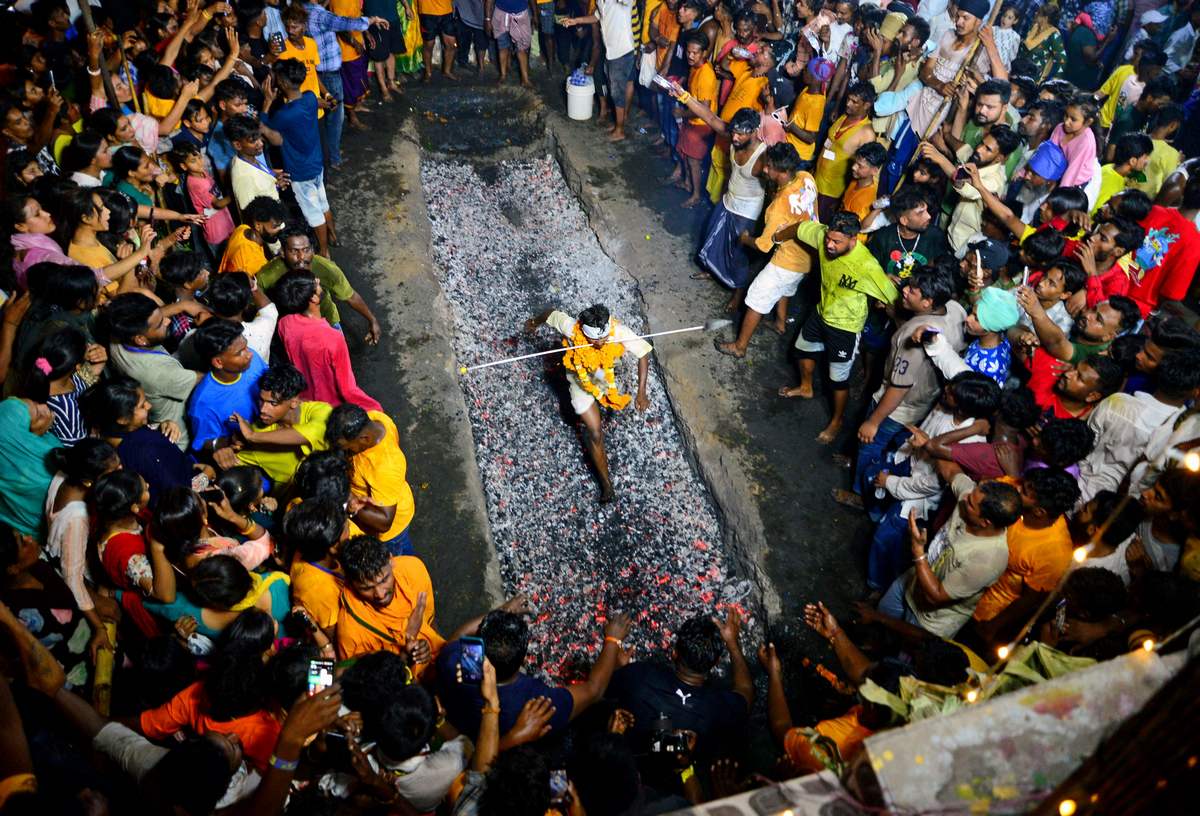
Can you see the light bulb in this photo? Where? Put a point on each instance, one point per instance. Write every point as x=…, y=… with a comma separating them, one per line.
x=1080, y=554
x=1066, y=807
x=1191, y=461
x=972, y=696
x=1002, y=652
x=1148, y=644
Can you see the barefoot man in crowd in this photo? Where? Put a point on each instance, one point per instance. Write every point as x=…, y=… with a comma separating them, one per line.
x=849, y=276
x=591, y=376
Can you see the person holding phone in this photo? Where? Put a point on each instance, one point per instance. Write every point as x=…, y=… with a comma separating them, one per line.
x=505, y=636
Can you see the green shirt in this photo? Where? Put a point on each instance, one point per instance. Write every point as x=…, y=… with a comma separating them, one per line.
x=332, y=278
x=846, y=281
x=1085, y=350
x=280, y=463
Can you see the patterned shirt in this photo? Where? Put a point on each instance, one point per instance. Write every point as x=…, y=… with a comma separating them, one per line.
x=323, y=27
x=991, y=362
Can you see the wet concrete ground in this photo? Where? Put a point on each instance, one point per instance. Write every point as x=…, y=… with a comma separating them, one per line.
x=754, y=449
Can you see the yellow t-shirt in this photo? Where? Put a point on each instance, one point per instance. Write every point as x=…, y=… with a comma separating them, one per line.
x=318, y=591
x=797, y=201
x=746, y=93
x=156, y=106
x=349, y=8
x=1036, y=558
x=280, y=463
x=242, y=254
x=1111, y=183
x=806, y=115
x=311, y=59
x=379, y=473
x=1163, y=161
x=1112, y=90
x=648, y=14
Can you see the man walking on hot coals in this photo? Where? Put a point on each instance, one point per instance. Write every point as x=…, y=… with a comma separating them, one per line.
x=590, y=373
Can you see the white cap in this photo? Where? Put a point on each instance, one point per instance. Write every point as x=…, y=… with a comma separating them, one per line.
x=1153, y=16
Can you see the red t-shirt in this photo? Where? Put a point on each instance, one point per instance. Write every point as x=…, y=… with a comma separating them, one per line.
x=1043, y=375
x=1169, y=257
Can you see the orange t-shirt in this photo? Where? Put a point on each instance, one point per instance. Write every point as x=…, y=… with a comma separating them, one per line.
x=258, y=732
x=746, y=93
x=349, y=8
x=806, y=115
x=845, y=731
x=384, y=629
x=242, y=254
x=858, y=199
x=311, y=59
x=702, y=84
x=1036, y=558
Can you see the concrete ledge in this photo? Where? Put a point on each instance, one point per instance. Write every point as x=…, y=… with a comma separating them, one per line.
x=385, y=234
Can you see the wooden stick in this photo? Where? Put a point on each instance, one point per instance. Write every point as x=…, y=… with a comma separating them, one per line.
x=85, y=11
x=937, y=117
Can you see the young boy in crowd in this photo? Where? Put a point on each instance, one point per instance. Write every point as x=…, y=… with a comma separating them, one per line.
x=230, y=387
x=1131, y=157
x=250, y=173
x=1054, y=289
x=197, y=122
x=910, y=385
x=864, y=179
x=291, y=127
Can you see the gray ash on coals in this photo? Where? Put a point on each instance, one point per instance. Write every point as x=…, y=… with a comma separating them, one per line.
x=504, y=250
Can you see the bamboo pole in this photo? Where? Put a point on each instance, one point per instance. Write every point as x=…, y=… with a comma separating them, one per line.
x=937, y=117
x=85, y=11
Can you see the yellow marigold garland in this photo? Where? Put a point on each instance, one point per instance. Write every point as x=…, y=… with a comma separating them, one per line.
x=583, y=361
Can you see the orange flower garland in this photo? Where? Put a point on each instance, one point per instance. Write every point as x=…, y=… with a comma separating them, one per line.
x=583, y=361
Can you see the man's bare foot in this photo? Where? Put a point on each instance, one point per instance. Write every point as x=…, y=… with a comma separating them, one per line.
x=732, y=304
x=616, y=136
x=355, y=123
x=450, y=75
x=525, y=83
x=385, y=97
x=778, y=328
x=847, y=498
x=674, y=178
x=801, y=391
x=690, y=202
x=426, y=76
x=730, y=349
x=829, y=434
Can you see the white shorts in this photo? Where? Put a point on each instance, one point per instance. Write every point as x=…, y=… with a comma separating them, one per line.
x=771, y=284
x=310, y=195
x=581, y=400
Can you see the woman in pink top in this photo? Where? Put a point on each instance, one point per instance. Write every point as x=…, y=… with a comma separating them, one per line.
x=30, y=228
x=1077, y=140
x=181, y=518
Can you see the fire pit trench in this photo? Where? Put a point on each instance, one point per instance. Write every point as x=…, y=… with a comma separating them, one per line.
x=508, y=241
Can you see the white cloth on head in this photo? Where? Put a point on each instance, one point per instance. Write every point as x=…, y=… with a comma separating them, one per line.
x=564, y=324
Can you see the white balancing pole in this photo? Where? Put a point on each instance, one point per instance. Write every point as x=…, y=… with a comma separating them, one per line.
x=465, y=369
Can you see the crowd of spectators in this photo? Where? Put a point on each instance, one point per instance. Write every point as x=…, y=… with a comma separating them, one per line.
x=211, y=601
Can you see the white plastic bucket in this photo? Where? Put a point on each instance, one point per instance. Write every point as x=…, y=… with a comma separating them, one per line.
x=579, y=100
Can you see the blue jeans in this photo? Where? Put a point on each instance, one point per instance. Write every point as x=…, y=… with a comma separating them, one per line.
x=336, y=118
x=401, y=544
x=893, y=604
x=891, y=435
x=888, y=557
